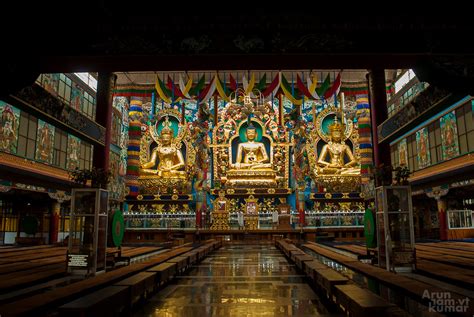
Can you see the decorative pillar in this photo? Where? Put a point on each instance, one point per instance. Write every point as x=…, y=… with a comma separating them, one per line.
x=300, y=206
x=379, y=113
x=216, y=109
x=437, y=193
x=133, y=150
x=365, y=140
x=105, y=88
x=54, y=222
x=280, y=110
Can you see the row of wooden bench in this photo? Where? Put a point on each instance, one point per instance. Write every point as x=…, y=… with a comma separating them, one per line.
x=124, y=294
x=356, y=301
x=49, y=301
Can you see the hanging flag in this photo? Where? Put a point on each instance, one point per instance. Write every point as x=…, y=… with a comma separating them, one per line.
x=208, y=91
x=334, y=90
x=196, y=89
x=233, y=83
x=185, y=89
x=286, y=88
x=220, y=89
x=171, y=86
x=312, y=83
x=302, y=87
x=324, y=86
x=273, y=87
x=163, y=92
x=261, y=84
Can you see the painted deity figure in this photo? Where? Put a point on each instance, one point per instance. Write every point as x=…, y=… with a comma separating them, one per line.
x=44, y=148
x=170, y=159
x=337, y=150
x=251, y=154
x=8, y=124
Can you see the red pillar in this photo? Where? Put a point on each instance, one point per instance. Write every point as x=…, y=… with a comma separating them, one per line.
x=379, y=113
x=105, y=88
x=54, y=223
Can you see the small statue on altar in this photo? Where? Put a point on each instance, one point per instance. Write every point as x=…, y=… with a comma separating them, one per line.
x=251, y=154
x=170, y=159
x=337, y=150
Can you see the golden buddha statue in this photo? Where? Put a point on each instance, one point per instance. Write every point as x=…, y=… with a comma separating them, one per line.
x=251, y=154
x=337, y=150
x=252, y=167
x=170, y=158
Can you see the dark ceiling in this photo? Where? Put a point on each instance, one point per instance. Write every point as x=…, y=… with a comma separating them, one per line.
x=106, y=36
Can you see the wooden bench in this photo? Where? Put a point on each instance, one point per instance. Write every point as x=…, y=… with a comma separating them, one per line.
x=300, y=260
x=140, y=285
x=181, y=262
x=359, y=301
x=192, y=257
x=294, y=253
x=164, y=272
x=311, y=267
x=328, y=278
x=108, y=301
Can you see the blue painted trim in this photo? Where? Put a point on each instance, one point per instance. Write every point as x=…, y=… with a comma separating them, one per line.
x=432, y=119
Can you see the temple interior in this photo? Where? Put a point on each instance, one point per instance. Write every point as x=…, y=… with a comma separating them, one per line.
x=226, y=169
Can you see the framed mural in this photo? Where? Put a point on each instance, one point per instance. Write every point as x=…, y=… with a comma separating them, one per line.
x=77, y=97
x=423, y=148
x=44, y=142
x=449, y=136
x=73, y=152
x=402, y=153
x=51, y=82
x=9, y=123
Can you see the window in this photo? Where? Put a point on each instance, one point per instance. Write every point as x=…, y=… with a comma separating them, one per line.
x=60, y=148
x=404, y=79
x=85, y=157
x=27, y=135
x=88, y=79
x=88, y=106
x=64, y=88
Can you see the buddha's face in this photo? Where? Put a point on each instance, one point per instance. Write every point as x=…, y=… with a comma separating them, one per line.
x=336, y=135
x=166, y=138
x=251, y=134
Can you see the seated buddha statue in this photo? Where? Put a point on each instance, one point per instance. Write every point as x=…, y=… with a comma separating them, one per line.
x=170, y=159
x=251, y=154
x=337, y=150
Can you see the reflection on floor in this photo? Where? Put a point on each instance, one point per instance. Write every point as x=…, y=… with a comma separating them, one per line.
x=238, y=280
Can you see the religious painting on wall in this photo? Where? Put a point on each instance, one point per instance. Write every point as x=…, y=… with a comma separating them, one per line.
x=77, y=97
x=73, y=152
x=423, y=148
x=449, y=136
x=402, y=153
x=116, y=128
x=51, y=82
x=44, y=142
x=9, y=123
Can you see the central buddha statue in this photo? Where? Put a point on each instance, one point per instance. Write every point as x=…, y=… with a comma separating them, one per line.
x=251, y=154
x=252, y=167
x=170, y=158
x=337, y=150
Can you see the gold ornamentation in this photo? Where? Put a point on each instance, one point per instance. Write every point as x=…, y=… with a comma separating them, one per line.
x=174, y=197
x=271, y=191
x=230, y=191
x=328, y=195
x=172, y=170
x=140, y=197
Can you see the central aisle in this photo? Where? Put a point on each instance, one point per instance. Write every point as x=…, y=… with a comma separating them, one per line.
x=238, y=280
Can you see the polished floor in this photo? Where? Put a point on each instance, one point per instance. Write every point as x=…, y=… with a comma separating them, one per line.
x=238, y=280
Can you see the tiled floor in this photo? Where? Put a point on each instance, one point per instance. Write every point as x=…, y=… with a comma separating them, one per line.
x=238, y=280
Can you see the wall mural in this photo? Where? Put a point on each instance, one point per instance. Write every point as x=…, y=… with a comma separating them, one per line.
x=9, y=123
x=77, y=97
x=73, y=152
x=423, y=148
x=449, y=136
x=402, y=153
x=44, y=142
x=51, y=82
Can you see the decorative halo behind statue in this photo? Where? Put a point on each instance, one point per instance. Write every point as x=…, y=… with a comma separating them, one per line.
x=326, y=118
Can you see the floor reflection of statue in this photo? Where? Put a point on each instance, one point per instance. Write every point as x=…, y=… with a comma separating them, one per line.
x=170, y=158
x=337, y=151
x=251, y=154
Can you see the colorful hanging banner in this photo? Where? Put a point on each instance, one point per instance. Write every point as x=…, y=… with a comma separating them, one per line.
x=423, y=148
